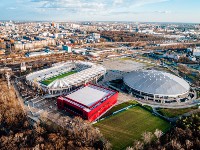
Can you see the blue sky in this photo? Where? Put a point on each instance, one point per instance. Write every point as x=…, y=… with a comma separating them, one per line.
x=101, y=10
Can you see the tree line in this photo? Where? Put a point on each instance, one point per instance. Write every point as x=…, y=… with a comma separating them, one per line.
x=16, y=131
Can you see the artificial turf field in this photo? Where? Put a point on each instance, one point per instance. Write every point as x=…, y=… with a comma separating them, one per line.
x=48, y=81
x=125, y=127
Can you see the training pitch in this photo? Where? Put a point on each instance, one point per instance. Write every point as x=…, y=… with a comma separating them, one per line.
x=125, y=127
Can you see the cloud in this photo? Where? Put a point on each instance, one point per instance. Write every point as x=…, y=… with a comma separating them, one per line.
x=71, y=5
x=163, y=12
x=145, y=2
x=12, y=8
x=135, y=3
x=77, y=9
x=116, y=2
x=138, y=12
x=93, y=5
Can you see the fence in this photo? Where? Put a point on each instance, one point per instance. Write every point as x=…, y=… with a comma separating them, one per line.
x=116, y=112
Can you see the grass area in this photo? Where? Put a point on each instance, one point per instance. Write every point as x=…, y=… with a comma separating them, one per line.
x=125, y=58
x=198, y=94
x=175, y=112
x=122, y=129
x=48, y=81
x=149, y=108
x=118, y=107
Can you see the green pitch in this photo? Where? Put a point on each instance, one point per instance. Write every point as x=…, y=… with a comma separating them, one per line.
x=48, y=81
x=123, y=128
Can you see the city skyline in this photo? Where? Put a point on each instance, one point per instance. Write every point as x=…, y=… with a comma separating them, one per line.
x=96, y=10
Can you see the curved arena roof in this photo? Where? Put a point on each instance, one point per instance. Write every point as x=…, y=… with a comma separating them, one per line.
x=156, y=83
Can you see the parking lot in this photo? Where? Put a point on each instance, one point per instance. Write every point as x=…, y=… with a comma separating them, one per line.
x=122, y=65
x=35, y=100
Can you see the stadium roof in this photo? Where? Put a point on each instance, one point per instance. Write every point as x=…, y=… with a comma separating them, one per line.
x=77, y=77
x=89, y=95
x=156, y=83
x=85, y=71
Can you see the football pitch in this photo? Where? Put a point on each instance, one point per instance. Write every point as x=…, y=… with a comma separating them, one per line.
x=48, y=81
x=125, y=127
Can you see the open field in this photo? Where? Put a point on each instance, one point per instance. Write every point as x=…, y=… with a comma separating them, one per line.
x=48, y=81
x=123, y=128
x=175, y=112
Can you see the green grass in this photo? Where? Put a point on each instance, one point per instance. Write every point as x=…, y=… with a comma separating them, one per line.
x=48, y=81
x=125, y=58
x=122, y=129
x=118, y=107
x=175, y=112
x=198, y=94
x=149, y=108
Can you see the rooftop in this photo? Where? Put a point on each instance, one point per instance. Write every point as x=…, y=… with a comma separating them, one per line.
x=156, y=82
x=89, y=95
x=62, y=75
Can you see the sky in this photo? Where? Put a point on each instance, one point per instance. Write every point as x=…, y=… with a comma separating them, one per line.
x=186, y=11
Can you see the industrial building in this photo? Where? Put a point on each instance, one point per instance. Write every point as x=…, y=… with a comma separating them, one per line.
x=43, y=53
x=66, y=76
x=89, y=102
x=156, y=86
x=67, y=48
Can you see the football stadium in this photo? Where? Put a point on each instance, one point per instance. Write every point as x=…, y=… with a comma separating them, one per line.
x=156, y=86
x=89, y=102
x=66, y=76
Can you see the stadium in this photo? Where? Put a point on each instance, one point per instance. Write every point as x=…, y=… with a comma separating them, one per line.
x=157, y=86
x=89, y=102
x=66, y=76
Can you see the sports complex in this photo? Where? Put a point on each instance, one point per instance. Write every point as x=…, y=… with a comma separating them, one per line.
x=66, y=76
x=157, y=86
x=74, y=81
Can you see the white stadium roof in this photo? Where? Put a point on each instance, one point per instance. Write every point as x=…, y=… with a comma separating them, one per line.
x=85, y=72
x=156, y=83
x=89, y=95
x=76, y=78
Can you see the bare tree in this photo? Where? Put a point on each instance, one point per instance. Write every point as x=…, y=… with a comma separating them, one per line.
x=147, y=137
x=138, y=145
x=158, y=133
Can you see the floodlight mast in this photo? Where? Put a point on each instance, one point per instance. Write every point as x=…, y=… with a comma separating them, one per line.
x=8, y=79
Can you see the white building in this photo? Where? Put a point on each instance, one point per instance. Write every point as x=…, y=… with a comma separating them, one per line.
x=23, y=66
x=79, y=50
x=156, y=86
x=67, y=48
x=196, y=51
x=96, y=36
x=28, y=45
x=171, y=56
x=192, y=58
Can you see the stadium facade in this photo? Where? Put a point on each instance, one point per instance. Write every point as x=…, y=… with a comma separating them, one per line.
x=156, y=86
x=89, y=102
x=66, y=76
